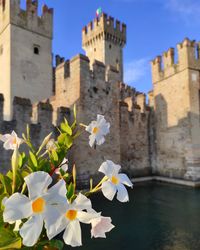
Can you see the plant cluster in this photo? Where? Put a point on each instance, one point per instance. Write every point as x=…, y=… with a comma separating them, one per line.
x=38, y=196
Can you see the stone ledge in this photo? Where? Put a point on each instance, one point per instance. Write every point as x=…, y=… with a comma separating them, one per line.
x=182, y=182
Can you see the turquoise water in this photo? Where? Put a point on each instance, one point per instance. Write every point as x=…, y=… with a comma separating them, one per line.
x=158, y=217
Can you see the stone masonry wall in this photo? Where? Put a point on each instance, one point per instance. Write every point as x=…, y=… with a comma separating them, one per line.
x=176, y=110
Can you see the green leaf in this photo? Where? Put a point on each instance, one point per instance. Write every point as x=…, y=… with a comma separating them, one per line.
x=22, y=159
x=75, y=112
x=55, y=155
x=44, y=143
x=74, y=123
x=7, y=183
x=15, y=164
x=53, y=244
x=70, y=191
x=78, y=133
x=66, y=128
x=65, y=140
x=8, y=240
x=33, y=159
x=2, y=196
x=57, y=244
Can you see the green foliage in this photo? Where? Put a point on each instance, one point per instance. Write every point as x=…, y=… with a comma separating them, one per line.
x=8, y=239
x=70, y=191
x=41, y=159
x=46, y=244
x=33, y=159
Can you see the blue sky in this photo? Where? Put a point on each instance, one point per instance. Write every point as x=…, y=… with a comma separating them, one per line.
x=152, y=27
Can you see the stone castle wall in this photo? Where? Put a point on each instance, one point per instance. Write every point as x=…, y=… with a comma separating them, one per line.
x=176, y=103
x=100, y=91
x=96, y=91
x=161, y=138
x=37, y=116
x=25, y=52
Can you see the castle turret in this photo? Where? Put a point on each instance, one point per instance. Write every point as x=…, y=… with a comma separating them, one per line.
x=176, y=104
x=103, y=40
x=25, y=52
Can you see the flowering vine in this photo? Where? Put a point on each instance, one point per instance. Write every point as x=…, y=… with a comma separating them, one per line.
x=38, y=196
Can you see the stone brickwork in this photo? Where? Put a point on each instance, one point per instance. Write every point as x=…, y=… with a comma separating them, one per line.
x=22, y=115
x=26, y=52
x=176, y=106
x=161, y=138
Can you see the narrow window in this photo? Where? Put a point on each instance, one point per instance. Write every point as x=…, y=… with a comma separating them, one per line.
x=36, y=49
x=4, y=4
x=117, y=64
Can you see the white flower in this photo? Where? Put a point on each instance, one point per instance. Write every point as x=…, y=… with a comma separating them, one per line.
x=115, y=182
x=63, y=166
x=11, y=141
x=71, y=216
x=17, y=225
x=51, y=145
x=100, y=226
x=38, y=207
x=98, y=129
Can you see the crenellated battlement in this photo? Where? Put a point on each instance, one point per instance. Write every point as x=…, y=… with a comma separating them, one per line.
x=104, y=27
x=66, y=68
x=188, y=57
x=24, y=112
x=10, y=12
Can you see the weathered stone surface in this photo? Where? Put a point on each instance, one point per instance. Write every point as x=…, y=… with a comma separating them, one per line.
x=161, y=138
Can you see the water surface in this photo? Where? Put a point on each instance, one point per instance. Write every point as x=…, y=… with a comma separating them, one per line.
x=158, y=217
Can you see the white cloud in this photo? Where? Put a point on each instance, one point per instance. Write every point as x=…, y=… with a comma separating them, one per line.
x=136, y=70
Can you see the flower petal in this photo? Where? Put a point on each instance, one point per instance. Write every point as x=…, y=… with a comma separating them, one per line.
x=56, y=194
x=108, y=190
x=109, y=168
x=100, y=139
x=31, y=230
x=82, y=202
x=8, y=145
x=37, y=183
x=90, y=127
x=55, y=222
x=17, y=207
x=86, y=218
x=125, y=180
x=122, y=194
x=64, y=165
x=92, y=139
x=72, y=234
x=100, y=226
x=5, y=137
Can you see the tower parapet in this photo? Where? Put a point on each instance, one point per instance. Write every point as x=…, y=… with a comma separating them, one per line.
x=104, y=27
x=103, y=40
x=10, y=12
x=188, y=57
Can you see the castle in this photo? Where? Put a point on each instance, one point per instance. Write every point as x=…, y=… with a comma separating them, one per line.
x=160, y=140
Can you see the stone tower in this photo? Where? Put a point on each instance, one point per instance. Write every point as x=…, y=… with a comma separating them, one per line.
x=103, y=40
x=177, y=110
x=25, y=52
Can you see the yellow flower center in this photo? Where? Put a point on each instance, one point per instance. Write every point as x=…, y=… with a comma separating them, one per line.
x=95, y=130
x=71, y=214
x=38, y=205
x=14, y=141
x=115, y=180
